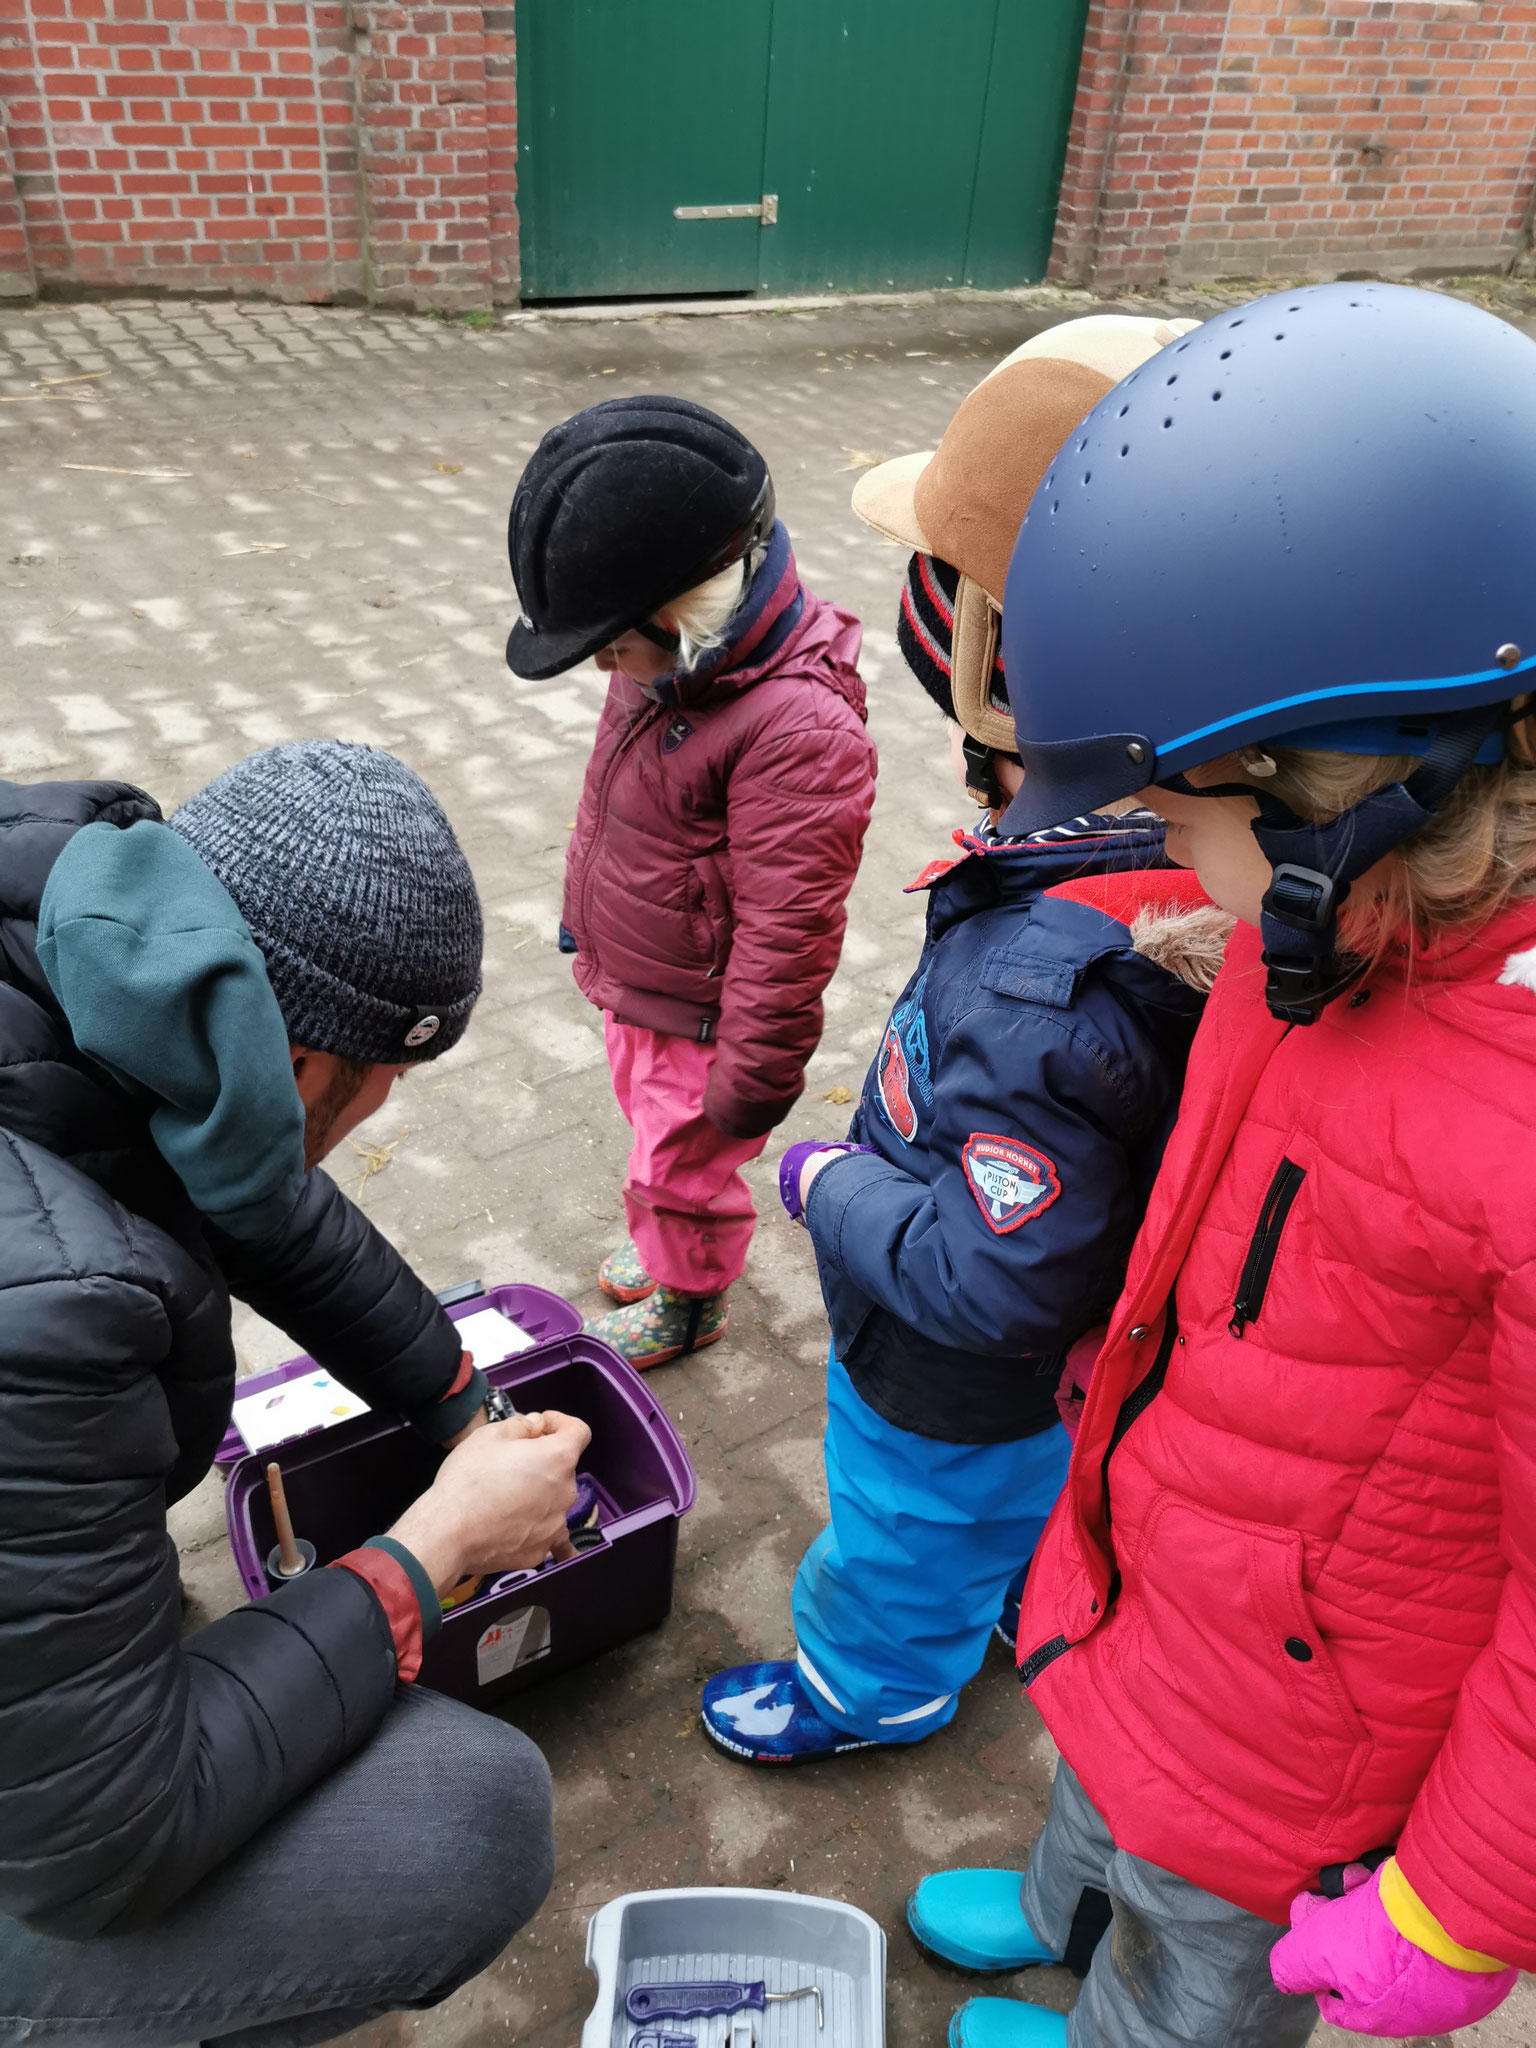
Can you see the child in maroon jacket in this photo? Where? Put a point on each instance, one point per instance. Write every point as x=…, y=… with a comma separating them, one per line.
x=720, y=826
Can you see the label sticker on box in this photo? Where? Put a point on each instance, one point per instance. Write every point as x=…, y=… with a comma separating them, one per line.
x=489, y=1336
x=279, y=1414
x=508, y=1644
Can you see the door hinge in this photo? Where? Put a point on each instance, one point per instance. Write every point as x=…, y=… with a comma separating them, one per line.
x=766, y=210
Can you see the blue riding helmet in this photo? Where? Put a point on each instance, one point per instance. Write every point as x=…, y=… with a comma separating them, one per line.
x=1315, y=514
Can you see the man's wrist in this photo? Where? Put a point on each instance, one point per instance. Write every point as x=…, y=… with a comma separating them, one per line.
x=426, y=1535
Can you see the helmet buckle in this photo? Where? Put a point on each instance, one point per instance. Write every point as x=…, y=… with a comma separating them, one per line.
x=1304, y=899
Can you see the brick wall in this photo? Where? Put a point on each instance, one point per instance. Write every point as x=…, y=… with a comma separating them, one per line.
x=303, y=148
x=1239, y=139
x=359, y=149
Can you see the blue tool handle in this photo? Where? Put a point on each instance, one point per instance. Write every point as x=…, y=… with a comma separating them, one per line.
x=692, y=2001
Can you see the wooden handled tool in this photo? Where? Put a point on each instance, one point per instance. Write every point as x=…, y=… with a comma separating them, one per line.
x=290, y=1558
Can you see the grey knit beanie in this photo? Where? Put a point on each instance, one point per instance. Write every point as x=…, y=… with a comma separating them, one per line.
x=355, y=889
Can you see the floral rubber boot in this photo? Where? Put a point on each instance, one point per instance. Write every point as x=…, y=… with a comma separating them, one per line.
x=664, y=1326
x=622, y=1277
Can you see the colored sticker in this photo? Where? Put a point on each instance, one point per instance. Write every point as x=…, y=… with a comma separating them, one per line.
x=1011, y=1181
x=895, y=1086
x=508, y=1644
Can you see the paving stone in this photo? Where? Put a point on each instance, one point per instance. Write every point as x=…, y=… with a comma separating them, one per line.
x=151, y=643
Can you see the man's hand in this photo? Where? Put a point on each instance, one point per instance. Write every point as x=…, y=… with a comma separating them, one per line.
x=499, y=1501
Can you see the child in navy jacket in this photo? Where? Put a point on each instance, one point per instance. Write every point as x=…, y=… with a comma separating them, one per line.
x=978, y=1220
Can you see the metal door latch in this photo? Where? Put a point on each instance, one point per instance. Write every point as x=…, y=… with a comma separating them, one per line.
x=766, y=210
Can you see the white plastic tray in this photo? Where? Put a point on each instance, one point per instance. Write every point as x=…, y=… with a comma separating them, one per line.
x=707, y=1934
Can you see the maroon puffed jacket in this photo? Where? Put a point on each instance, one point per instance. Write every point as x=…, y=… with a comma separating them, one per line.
x=718, y=836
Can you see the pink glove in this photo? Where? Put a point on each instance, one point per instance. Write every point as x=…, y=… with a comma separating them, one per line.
x=1368, y=1976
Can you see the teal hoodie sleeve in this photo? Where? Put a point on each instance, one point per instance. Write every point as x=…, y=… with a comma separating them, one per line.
x=164, y=985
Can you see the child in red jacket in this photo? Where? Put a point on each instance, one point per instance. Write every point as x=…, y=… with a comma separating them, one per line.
x=720, y=826
x=1282, y=1623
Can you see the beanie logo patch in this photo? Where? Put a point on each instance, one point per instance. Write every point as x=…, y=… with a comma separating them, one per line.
x=422, y=1030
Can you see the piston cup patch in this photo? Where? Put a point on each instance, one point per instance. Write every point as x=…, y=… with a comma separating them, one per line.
x=896, y=1087
x=1011, y=1181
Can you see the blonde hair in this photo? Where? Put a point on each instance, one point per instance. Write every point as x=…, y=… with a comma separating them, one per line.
x=700, y=616
x=1475, y=856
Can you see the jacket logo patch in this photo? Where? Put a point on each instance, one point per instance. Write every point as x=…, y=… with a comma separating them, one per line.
x=1011, y=1182
x=911, y=1029
x=678, y=731
x=895, y=1086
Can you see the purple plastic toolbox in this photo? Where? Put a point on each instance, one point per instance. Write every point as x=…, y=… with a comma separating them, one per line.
x=350, y=1482
x=543, y=1315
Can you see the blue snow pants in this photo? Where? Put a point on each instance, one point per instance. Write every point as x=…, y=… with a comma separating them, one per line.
x=896, y=1598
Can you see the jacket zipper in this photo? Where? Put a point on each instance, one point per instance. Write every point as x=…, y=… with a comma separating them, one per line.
x=642, y=724
x=1134, y=1405
x=1254, y=1280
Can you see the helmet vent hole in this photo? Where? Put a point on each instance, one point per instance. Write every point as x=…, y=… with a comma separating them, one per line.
x=1174, y=378
x=1123, y=411
x=1237, y=323
x=1279, y=337
x=1087, y=476
x=1215, y=396
x=1126, y=449
x=1055, y=505
x=1168, y=423
x=1226, y=355
x=1082, y=447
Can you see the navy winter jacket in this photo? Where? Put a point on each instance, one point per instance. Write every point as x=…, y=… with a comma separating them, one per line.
x=1018, y=1107
x=133, y=1763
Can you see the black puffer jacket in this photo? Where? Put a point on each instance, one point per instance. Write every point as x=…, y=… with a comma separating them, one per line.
x=131, y=1763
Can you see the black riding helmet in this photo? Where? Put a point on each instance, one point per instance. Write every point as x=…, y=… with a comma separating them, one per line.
x=622, y=508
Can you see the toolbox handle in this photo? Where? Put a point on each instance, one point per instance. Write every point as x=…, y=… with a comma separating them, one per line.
x=466, y=1290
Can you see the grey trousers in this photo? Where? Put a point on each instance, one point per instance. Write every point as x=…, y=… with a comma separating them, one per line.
x=393, y=1882
x=1179, y=1968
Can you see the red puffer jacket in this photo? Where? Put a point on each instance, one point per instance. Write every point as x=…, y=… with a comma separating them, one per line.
x=1302, y=1623
x=716, y=844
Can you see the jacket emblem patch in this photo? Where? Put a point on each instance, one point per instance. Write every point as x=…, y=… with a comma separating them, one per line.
x=678, y=731
x=895, y=1086
x=1012, y=1182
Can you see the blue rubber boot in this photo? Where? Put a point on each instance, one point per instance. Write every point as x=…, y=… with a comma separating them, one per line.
x=973, y=1920
x=1006, y=2023
x=763, y=1714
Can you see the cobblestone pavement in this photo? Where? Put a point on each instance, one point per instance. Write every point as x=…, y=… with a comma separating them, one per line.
x=224, y=526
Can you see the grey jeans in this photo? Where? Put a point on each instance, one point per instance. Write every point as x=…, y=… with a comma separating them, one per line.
x=393, y=1882
x=1179, y=1968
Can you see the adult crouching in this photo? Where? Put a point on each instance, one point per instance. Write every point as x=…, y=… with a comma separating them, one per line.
x=263, y=1831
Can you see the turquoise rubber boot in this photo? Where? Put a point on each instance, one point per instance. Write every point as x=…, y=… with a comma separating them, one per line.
x=1006, y=2023
x=973, y=1920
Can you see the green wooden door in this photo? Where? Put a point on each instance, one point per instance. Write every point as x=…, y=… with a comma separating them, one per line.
x=874, y=110
x=627, y=109
x=903, y=146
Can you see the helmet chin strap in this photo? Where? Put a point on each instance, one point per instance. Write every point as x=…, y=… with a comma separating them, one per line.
x=1314, y=865
x=981, y=777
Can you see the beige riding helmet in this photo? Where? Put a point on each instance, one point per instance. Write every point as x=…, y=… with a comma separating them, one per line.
x=965, y=500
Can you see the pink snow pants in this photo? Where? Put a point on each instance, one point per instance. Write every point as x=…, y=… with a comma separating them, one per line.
x=689, y=1211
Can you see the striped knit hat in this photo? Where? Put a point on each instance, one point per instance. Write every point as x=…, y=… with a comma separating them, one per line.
x=925, y=631
x=352, y=884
